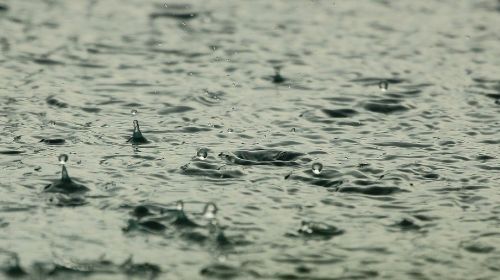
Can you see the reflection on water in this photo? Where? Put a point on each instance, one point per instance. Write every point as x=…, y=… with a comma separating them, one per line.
x=277, y=140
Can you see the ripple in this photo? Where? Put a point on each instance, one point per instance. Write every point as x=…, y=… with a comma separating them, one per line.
x=262, y=157
x=340, y=113
x=373, y=190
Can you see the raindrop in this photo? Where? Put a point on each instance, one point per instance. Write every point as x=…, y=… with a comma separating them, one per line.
x=202, y=154
x=137, y=137
x=63, y=158
x=277, y=78
x=383, y=85
x=180, y=205
x=210, y=211
x=316, y=168
x=306, y=228
x=133, y=112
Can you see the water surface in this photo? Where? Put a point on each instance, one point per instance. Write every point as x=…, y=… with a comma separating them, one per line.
x=409, y=182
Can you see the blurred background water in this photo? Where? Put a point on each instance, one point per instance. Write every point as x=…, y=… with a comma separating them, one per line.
x=338, y=139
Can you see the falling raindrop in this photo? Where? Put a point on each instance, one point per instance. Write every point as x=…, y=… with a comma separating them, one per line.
x=383, y=85
x=202, y=154
x=179, y=205
x=316, y=168
x=210, y=211
x=63, y=158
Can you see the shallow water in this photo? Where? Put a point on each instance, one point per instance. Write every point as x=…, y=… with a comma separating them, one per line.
x=409, y=183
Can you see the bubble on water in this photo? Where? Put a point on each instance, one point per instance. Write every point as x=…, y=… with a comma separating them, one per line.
x=383, y=85
x=179, y=205
x=202, y=154
x=316, y=168
x=210, y=211
x=133, y=112
x=63, y=158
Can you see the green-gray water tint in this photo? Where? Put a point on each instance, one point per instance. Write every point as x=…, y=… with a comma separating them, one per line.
x=399, y=102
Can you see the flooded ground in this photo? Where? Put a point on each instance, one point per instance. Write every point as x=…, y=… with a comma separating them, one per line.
x=336, y=139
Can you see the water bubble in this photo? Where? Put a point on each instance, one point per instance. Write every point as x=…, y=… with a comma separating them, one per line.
x=383, y=85
x=316, y=168
x=63, y=158
x=202, y=154
x=133, y=112
x=210, y=211
x=179, y=205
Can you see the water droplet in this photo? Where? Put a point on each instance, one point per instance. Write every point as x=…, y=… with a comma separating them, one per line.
x=316, y=168
x=202, y=154
x=210, y=211
x=136, y=126
x=133, y=112
x=179, y=205
x=306, y=228
x=63, y=158
x=383, y=85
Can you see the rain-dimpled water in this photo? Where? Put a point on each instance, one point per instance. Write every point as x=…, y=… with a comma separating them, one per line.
x=257, y=139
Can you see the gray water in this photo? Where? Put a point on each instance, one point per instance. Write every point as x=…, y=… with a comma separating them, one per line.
x=409, y=184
